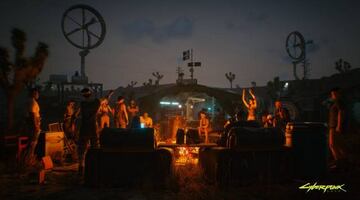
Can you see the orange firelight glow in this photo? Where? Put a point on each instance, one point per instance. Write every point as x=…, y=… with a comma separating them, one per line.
x=187, y=155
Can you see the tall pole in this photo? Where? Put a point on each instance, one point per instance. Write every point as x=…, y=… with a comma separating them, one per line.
x=305, y=63
x=192, y=65
x=82, y=55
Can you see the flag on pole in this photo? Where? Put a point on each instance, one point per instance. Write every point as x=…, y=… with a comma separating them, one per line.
x=194, y=64
x=186, y=55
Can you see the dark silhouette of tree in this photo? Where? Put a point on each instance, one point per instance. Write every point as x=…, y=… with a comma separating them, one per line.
x=338, y=66
x=158, y=77
x=342, y=66
x=149, y=83
x=231, y=77
x=132, y=84
x=347, y=66
x=21, y=72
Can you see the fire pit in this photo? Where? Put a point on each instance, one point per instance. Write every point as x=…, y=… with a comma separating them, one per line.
x=186, y=153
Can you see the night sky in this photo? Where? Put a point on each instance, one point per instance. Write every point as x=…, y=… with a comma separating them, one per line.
x=144, y=36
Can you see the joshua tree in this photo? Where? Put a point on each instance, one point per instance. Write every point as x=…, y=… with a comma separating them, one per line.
x=347, y=66
x=342, y=66
x=21, y=72
x=149, y=83
x=338, y=65
x=132, y=84
x=158, y=77
x=230, y=76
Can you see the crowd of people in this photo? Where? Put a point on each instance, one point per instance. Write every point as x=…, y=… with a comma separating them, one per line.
x=279, y=118
x=96, y=114
x=246, y=117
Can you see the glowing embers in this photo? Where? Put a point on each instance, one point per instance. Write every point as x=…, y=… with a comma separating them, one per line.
x=186, y=155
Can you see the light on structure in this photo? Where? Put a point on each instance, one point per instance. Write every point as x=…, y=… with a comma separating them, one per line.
x=174, y=103
x=286, y=85
x=165, y=103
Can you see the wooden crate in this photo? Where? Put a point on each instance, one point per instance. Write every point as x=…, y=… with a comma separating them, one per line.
x=54, y=145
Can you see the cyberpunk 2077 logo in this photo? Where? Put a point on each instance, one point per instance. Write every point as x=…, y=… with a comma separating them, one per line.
x=324, y=188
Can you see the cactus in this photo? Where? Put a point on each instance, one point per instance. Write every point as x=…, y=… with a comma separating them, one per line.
x=132, y=84
x=21, y=72
x=342, y=66
x=158, y=77
x=231, y=77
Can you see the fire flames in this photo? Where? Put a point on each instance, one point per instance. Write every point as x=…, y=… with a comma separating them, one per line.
x=187, y=155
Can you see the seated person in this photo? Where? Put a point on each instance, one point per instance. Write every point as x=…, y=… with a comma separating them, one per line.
x=204, y=126
x=269, y=122
x=146, y=120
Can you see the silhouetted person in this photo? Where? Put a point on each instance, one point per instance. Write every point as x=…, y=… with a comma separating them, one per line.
x=281, y=116
x=251, y=105
x=135, y=122
x=177, y=124
x=88, y=129
x=121, y=118
x=133, y=110
x=69, y=120
x=336, y=118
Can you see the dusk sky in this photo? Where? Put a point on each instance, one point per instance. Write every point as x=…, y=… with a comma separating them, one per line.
x=144, y=36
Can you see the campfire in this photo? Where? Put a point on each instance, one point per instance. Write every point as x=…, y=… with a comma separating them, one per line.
x=186, y=155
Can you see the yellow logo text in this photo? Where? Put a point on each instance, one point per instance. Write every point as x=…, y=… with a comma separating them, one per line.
x=324, y=188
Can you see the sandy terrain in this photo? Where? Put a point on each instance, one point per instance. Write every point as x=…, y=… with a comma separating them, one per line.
x=64, y=183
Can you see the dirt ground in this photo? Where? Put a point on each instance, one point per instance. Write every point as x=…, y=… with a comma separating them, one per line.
x=187, y=183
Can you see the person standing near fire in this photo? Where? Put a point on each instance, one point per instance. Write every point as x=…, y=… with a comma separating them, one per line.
x=251, y=105
x=104, y=113
x=88, y=130
x=121, y=119
x=336, y=118
x=133, y=110
x=34, y=126
x=281, y=116
x=69, y=120
x=204, y=126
